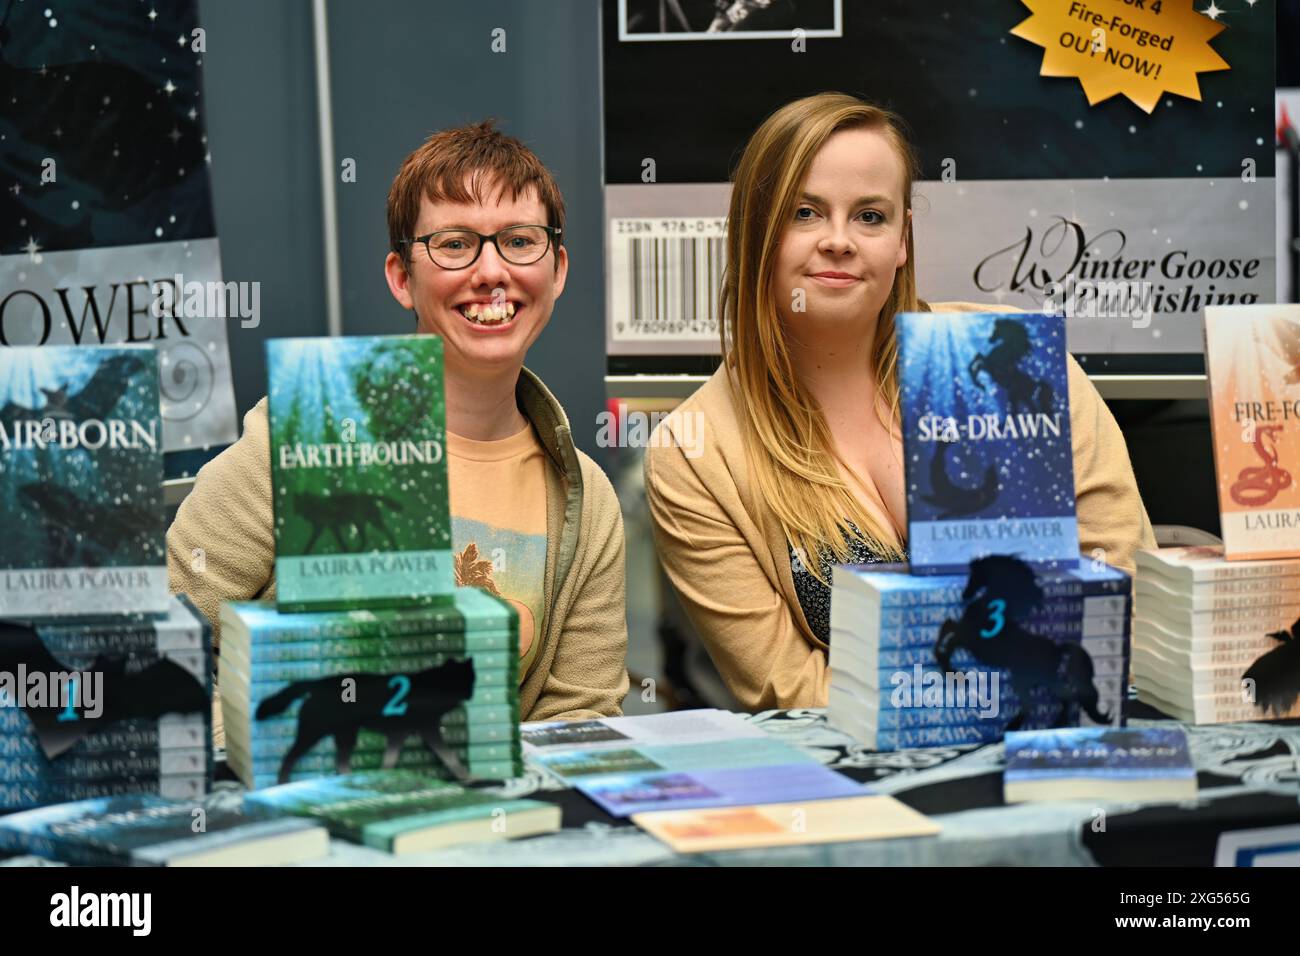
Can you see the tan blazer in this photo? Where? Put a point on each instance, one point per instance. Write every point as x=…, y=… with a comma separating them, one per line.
x=735, y=581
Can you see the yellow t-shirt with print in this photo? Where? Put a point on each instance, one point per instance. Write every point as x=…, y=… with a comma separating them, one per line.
x=497, y=493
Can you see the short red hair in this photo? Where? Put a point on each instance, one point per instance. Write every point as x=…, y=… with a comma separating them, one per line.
x=459, y=165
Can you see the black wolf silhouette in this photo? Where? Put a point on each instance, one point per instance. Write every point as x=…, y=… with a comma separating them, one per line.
x=162, y=687
x=379, y=705
x=339, y=511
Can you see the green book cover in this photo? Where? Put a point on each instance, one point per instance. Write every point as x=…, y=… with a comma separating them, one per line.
x=359, y=473
x=378, y=808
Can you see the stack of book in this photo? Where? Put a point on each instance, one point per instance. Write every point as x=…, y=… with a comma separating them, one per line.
x=105, y=679
x=927, y=661
x=1217, y=640
x=130, y=712
x=434, y=689
x=370, y=656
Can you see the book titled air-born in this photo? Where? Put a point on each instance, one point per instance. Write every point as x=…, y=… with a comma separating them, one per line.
x=359, y=472
x=986, y=439
x=81, y=469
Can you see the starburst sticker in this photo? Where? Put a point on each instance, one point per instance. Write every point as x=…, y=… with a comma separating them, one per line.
x=1140, y=48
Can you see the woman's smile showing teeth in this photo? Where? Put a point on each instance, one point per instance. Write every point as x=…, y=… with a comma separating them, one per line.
x=488, y=313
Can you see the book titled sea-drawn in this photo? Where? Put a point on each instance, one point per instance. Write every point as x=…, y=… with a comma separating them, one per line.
x=81, y=471
x=986, y=439
x=359, y=473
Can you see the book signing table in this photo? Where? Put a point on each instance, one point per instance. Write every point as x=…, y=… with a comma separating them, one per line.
x=1249, y=778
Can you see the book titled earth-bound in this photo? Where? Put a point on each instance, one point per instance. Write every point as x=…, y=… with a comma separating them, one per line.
x=359, y=473
x=81, y=469
x=986, y=439
x=1099, y=763
x=1252, y=355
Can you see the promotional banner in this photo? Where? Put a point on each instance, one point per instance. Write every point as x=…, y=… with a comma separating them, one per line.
x=1112, y=160
x=106, y=227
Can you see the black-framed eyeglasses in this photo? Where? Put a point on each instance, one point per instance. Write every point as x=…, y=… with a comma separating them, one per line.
x=459, y=248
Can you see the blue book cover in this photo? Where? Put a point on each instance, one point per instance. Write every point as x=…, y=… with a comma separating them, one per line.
x=81, y=471
x=986, y=439
x=1151, y=762
x=358, y=472
x=622, y=795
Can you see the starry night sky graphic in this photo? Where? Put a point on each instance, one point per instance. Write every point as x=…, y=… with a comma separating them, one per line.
x=1036, y=475
x=110, y=90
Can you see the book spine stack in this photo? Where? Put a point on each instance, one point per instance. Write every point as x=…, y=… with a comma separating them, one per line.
x=1220, y=643
x=142, y=726
x=294, y=685
x=888, y=688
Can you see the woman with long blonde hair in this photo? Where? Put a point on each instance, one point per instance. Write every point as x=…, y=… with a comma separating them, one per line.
x=801, y=465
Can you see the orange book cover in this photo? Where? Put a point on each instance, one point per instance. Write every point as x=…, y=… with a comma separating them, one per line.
x=1252, y=358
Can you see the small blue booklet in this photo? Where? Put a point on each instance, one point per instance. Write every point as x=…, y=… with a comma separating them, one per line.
x=1099, y=763
x=986, y=439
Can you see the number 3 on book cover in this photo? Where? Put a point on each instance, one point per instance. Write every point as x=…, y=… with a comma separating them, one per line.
x=986, y=439
x=358, y=472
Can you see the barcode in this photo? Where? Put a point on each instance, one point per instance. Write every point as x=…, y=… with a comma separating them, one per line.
x=673, y=284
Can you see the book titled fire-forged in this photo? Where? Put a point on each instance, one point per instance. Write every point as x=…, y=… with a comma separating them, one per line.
x=81, y=468
x=986, y=439
x=1252, y=355
x=359, y=474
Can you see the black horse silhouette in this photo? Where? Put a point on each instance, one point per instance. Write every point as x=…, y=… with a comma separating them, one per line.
x=1000, y=592
x=951, y=498
x=79, y=532
x=1276, y=673
x=161, y=687
x=342, y=510
x=394, y=705
x=1011, y=343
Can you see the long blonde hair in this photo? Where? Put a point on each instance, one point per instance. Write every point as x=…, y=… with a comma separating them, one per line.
x=791, y=450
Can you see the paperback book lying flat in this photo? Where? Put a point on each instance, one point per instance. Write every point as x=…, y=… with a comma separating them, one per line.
x=1099, y=763
x=786, y=824
x=144, y=830
x=81, y=469
x=986, y=439
x=359, y=476
x=400, y=812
